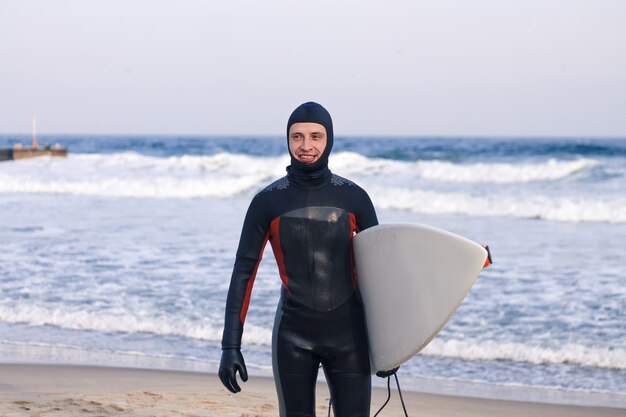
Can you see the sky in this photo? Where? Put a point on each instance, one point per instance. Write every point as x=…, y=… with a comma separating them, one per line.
x=382, y=68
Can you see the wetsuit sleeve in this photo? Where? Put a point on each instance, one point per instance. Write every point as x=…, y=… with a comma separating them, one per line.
x=252, y=242
x=366, y=214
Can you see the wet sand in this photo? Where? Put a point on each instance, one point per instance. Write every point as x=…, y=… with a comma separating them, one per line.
x=60, y=390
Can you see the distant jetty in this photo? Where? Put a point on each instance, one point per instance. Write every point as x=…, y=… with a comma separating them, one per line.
x=20, y=152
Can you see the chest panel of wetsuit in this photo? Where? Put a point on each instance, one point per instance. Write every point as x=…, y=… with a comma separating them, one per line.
x=316, y=247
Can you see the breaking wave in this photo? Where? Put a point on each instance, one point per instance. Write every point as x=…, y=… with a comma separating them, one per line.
x=565, y=209
x=598, y=357
x=444, y=171
x=167, y=325
x=224, y=175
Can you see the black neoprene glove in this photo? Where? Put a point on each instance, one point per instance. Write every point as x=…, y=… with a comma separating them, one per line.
x=232, y=361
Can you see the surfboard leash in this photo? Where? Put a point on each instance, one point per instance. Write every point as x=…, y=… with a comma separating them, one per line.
x=395, y=375
x=383, y=374
x=388, y=397
x=387, y=375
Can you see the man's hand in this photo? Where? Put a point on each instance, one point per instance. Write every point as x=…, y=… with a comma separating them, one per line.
x=232, y=361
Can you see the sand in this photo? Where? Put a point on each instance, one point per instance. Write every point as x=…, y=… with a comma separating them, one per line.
x=61, y=390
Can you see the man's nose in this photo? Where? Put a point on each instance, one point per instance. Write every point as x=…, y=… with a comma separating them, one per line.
x=307, y=143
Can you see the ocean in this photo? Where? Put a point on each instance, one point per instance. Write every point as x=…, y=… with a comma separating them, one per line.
x=121, y=254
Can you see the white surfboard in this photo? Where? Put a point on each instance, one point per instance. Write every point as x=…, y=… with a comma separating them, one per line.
x=412, y=279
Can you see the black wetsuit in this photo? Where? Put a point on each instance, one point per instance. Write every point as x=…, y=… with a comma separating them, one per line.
x=310, y=217
x=310, y=221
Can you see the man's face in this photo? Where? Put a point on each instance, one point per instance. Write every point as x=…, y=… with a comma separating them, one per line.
x=307, y=141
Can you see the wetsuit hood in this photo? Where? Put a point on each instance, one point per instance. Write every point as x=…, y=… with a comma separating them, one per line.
x=311, y=112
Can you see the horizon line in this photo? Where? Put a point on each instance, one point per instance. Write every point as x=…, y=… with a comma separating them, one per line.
x=364, y=136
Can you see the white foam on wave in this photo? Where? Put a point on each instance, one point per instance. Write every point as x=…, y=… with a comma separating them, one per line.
x=204, y=329
x=444, y=171
x=118, y=320
x=107, y=321
x=152, y=188
x=575, y=354
x=222, y=175
x=133, y=175
x=565, y=209
x=501, y=173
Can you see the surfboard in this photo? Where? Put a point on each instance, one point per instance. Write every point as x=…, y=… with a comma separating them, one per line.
x=412, y=278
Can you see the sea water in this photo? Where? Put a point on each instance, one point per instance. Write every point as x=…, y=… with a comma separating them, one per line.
x=121, y=254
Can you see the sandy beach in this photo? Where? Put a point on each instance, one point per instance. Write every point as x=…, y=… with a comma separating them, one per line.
x=51, y=390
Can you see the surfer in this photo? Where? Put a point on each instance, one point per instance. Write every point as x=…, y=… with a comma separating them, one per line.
x=309, y=216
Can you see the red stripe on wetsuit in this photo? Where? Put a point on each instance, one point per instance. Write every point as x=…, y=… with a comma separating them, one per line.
x=246, y=300
x=354, y=229
x=278, y=252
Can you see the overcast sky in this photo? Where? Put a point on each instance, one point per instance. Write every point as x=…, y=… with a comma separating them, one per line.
x=440, y=67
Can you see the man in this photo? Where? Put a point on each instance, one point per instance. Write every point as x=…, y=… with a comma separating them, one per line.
x=310, y=217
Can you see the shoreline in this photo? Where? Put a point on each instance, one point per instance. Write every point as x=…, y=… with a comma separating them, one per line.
x=46, y=355
x=61, y=390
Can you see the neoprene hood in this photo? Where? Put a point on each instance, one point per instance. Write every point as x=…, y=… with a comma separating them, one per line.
x=312, y=112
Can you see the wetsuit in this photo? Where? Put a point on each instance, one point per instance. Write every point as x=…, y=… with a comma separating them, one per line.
x=309, y=217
